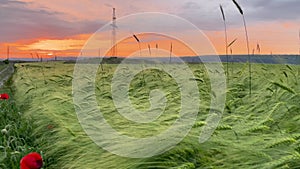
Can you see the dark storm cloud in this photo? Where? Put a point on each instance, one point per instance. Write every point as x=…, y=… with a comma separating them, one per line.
x=20, y=22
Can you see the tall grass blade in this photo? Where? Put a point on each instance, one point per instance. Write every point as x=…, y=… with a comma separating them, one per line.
x=247, y=40
x=229, y=46
x=101, y=64
x=299, y=42
x=171, y=50
x=284, y=87
x=231, y=43
x=226, y=39
x=299, y=53
x=238, y=7
x=136, y=38
x=222, y=11
x=258, y=48
x=138, y=41
x=231, y=52
x=249, y=57
x=37, y=56
x=149, y=49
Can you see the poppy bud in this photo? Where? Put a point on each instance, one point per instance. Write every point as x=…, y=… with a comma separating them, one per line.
x=4, y=131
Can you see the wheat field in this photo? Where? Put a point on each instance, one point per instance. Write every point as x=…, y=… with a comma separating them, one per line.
x=261, y=131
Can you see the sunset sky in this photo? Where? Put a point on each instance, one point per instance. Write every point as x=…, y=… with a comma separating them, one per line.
x=60, y=28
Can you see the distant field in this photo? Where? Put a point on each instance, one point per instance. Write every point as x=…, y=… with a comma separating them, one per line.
x=261, y=131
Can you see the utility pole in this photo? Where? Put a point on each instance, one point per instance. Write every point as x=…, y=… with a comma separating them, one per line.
x=113, y=40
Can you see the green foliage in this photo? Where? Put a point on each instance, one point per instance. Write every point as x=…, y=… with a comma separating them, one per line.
x=261, y=131
x=16, y=139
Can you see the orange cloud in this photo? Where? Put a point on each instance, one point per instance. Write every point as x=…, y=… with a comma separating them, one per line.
x=56, y=45
x=278, y=38
x=70, y=46
x=150, y=44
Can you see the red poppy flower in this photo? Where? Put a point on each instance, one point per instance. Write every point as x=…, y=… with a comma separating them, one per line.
x=4, y=96
x=31, y=161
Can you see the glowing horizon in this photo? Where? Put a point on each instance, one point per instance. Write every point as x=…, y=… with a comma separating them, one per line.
x=67, y=30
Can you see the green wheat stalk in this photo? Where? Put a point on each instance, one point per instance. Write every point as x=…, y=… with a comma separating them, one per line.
x=247, y=40
x=171, y=49
x=139, y=42
x=231, y=43
x=229, y=46
x=149, y=47
x=282, y=86
x=299, y=52
x=258, y=48
x=101, y=63
x=226, y=39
